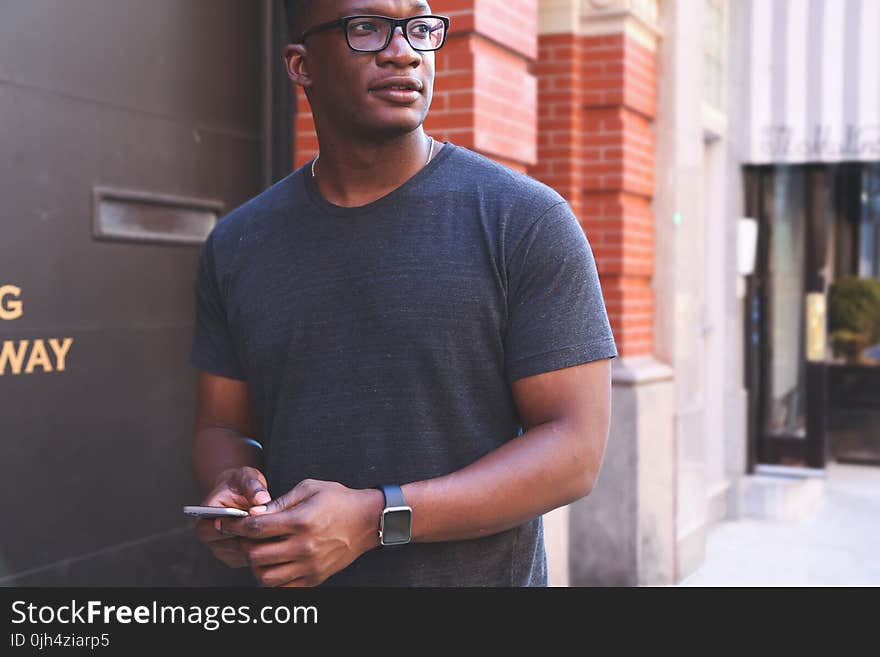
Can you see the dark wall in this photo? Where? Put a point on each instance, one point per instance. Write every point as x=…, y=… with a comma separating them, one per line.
x=162, y=97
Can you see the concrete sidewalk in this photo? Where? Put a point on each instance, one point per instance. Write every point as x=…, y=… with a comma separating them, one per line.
x=837, y=545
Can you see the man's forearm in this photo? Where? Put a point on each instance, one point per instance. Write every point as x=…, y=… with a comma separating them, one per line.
x=549, y=466
x=216, y=449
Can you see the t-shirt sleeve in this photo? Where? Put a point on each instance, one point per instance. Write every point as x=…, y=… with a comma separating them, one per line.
x=556, y=313
x=212, y=349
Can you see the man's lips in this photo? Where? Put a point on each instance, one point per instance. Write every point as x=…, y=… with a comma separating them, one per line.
x=399, y=90
x=403, y=83
x=397, y=96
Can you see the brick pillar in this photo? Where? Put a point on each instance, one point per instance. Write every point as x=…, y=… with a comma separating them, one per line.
x=484, y=93
x=596, y=106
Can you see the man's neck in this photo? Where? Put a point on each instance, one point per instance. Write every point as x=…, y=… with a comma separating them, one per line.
x=352, y=174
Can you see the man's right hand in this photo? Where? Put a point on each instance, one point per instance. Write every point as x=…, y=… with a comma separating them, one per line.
x=239, y=488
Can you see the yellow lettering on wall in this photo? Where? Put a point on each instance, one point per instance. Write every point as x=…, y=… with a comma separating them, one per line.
x=14, y=358
x=60, y=351
x=10, y=309
x=38, y=357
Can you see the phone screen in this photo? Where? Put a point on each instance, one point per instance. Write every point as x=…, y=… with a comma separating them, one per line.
x=214, y=512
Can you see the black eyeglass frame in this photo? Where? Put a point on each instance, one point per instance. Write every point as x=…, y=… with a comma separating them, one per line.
x=395, y=22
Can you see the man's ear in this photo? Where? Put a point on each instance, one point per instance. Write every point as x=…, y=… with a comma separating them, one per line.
x=295, y=63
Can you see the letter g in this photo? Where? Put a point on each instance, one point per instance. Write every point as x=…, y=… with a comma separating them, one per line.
x=11, y=309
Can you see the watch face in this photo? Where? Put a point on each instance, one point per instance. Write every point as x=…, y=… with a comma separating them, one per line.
x=397, y=526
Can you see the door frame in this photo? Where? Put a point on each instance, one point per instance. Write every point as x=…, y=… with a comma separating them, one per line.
x=279, y=96
x=812, y=450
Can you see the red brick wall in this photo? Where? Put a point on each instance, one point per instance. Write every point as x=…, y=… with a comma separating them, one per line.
x=560, y=117
x=597, y=100
x=305, y=142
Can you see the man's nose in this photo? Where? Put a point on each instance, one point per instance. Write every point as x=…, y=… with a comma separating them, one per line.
x=400, y=50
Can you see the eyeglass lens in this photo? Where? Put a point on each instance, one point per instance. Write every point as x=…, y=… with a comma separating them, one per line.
x=371, y=33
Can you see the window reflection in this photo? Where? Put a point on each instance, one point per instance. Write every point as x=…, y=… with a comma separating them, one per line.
x=788, y=228
x=854, y=307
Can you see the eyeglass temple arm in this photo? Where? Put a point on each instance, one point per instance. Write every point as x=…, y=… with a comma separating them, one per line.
x=320, y=27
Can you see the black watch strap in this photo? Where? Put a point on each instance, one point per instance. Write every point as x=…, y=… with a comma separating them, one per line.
x=393, y=495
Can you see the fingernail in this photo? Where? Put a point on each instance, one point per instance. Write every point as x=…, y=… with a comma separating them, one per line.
x=218, y=526
x=262, y=497
x=259, y=509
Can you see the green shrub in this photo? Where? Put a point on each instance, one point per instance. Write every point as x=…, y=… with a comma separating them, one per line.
x=853, y=315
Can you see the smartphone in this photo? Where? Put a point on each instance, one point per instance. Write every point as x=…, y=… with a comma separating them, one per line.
x=214, y=512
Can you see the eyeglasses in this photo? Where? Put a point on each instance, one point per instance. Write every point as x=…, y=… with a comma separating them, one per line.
x=368, y=33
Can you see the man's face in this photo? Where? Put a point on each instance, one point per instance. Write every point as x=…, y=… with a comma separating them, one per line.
x=347, y=86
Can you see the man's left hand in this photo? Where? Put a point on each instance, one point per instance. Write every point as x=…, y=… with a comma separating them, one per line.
x=319, y=527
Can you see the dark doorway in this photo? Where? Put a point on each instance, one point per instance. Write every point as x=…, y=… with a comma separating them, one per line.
x=816, y=227
x=126, y=129
x=854, y=317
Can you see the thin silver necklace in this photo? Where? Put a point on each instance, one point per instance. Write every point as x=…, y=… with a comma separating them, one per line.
x=430, y=155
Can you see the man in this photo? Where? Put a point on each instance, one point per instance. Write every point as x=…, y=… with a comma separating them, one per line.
x=399, y=312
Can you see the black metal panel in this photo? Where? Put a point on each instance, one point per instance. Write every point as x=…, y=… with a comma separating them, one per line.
x=168, y=559
x=854, y=401
x=105, y=442
x=817, y=448
x=185, y=60
x=816, y=273
x=53, y=152
x=283, y=97
x=161, y=97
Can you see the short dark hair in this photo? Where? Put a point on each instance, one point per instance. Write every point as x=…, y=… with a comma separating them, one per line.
x=295, y=10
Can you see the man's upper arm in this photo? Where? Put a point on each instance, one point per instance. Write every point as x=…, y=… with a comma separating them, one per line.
x=224, y=403
x=579, y=396
x=577, y=400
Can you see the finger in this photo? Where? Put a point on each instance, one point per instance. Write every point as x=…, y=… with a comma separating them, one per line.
x=230, y=552
x=249, y=482
x=298, y=494
x=229, y=545
x=281, y=574
x=252, y=484
x=261, y=526
x=226, y=496
x=272, y=553
x=206, y=531
x=231, y=558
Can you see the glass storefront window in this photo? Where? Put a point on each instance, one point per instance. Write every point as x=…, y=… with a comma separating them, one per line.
x=854, y=312
x=786, y=302
x=813, y=349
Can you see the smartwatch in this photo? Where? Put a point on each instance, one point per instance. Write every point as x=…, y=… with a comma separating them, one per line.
x=395, y=526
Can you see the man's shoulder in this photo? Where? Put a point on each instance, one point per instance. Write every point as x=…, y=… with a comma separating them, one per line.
x=514, y=199
x=504, y=191
x=487, y=174
x=256, y=212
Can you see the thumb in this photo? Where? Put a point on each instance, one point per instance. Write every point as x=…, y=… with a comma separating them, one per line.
x=298, y=494
x=251, y=483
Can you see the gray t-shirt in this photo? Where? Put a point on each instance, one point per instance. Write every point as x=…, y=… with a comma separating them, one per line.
x=379, y=343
